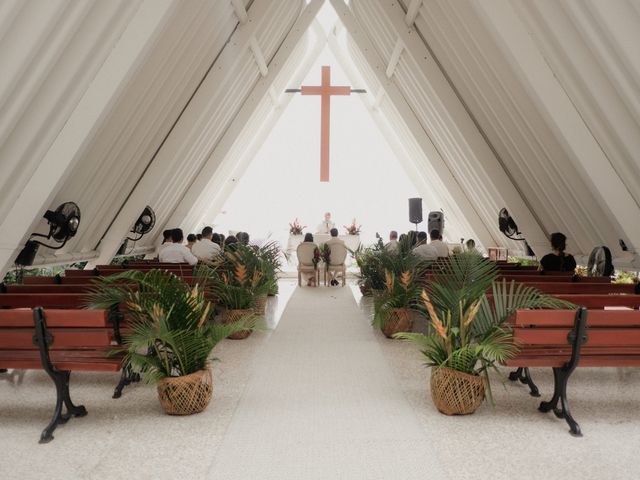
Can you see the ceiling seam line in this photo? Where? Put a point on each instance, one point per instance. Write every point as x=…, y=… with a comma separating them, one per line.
x=164, y=140
x=479, y=128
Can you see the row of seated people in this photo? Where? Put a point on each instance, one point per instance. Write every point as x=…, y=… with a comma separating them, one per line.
x=203, y=247
x=558, y=260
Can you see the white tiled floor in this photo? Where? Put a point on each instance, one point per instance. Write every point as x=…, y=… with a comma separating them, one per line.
x=322, y=396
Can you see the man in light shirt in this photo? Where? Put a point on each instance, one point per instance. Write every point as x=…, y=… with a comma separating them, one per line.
x=393, y=244
x=331, y=243
x=166, y=240
x=327, y=225
x=176, y=252
x=436, y=242
x=206, y=250
x=423, y=250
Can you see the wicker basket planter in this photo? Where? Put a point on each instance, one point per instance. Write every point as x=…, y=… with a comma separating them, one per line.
x=456, y=393
x=187, y=394
x=231, y=316
x=398, y=320
x=260, y=304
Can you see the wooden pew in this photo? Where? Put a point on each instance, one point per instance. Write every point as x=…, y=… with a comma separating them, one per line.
x=110, y=271
x=553, y=278
x=47, y=288
x=40, y=280
x=566, y=339
x=554, y=288
x=59, y=342
x=597, y=301
x=45, y=300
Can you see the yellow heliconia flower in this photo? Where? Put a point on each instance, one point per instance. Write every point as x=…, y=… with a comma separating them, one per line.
x=157, y=312
x=405, y=279
x=435, y=321
x=134, y=306
x=241, y=274
x=205, y=314
x=472, y=312
x=389, y=280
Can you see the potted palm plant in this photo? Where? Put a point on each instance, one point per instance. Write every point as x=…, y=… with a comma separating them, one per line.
x=469, y=334
x=270, y=257
x=234, y=279
x=394, y=308
x=171, y=335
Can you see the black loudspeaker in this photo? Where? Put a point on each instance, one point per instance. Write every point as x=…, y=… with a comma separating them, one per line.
x=435, y=222
x=415, y=210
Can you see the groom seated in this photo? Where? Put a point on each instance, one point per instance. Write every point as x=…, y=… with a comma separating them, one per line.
x=331, y=243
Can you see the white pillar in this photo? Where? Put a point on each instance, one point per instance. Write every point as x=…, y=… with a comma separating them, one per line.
x=64, y=152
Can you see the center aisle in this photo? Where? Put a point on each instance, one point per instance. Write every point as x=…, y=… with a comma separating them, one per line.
x=322, y=403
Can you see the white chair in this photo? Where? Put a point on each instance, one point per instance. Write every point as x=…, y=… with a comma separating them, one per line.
x=336, y=264
x=305, y=261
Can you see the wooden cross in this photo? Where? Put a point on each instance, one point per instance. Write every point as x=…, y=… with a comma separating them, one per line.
x=325, y=90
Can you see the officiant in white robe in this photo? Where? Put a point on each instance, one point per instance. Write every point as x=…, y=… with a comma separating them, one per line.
x=326, y=226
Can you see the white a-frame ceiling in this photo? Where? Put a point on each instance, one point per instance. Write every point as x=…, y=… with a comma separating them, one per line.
x=533, y=106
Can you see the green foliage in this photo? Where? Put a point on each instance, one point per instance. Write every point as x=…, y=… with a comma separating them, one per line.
x=400, y=291
x=621, y=276
x=525, y=262
x=171, y=330
x=240, y=275
x=468, y=331
x=375, y=261
x=16, y=275
x=125, y=259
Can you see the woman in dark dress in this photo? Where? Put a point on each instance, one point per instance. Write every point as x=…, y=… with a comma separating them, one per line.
x=558, y=260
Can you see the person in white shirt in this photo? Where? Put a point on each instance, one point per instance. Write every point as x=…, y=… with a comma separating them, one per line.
x=393, y=244
x=176, y=252
x=166, y=240
x=206, y=250
x=327, y=225
x=423, y=250
x=471, y=246
x=436, y=242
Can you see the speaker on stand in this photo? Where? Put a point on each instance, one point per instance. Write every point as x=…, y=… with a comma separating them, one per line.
x=415, y=211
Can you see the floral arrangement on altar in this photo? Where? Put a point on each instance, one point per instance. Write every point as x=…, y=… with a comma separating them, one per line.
x=295, y=228
x=353, y=229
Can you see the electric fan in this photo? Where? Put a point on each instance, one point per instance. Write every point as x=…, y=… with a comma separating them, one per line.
x=63, y=224
x=144, y=224
x=508, y=226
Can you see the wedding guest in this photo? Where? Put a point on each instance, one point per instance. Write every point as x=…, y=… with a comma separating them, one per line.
x=393, y=244
x=243, y=238
x=423, y=250
x=230, y=242
x=166, y=240
x=215, y=238
x=558, y=260
x=436, y=242
x=176, y=252
x=198, y=236
x=191, y=241
x=471, y=246
x=206, y=249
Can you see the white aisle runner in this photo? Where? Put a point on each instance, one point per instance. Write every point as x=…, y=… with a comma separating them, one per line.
x=322, y=403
